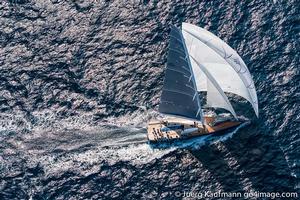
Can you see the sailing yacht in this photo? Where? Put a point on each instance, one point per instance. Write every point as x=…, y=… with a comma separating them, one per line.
x=199, y=61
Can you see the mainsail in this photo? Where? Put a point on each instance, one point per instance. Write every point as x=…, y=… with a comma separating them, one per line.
x=217, y=68
x=179, y=94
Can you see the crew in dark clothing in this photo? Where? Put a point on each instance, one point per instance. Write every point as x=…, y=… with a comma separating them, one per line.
x=154, y=132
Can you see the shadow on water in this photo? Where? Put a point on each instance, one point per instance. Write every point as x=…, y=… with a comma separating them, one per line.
x=247, y=162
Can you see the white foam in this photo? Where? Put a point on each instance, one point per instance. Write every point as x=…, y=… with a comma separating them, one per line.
x=135, y=154
x=124, y=141
x=51, y=120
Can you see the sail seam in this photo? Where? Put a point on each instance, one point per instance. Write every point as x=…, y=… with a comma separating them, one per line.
x=171, y=36
x=176, y=50
x=178, y=92
x=178, y=72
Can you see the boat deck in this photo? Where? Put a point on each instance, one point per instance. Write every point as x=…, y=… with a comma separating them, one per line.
x=157, y=133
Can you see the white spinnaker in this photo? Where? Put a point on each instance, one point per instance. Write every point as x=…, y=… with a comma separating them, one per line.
x=222, y=62
x=205, y=81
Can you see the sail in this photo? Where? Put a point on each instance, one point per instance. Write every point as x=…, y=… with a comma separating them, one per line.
x=222, y=63
x=179, y=94
x=215, y=96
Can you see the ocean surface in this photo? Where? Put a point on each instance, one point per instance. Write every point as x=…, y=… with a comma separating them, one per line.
x=80, y=79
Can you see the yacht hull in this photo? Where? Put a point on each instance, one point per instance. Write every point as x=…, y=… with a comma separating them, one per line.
x=170, y=130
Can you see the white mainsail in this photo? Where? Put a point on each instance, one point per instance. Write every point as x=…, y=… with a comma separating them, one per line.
x=218, y=68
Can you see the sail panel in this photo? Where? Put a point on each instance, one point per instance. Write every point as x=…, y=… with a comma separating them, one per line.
x=200, y=77
x=175, y=82
x=177, y=60
x=232, y=83
x=217, y=56
x=179, y=94
x=216, y=98
x=174, y=103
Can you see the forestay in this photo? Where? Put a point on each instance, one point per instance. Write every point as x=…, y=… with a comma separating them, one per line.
x=225, y=70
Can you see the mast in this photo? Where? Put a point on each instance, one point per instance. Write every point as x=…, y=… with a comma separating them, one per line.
x=193, y=79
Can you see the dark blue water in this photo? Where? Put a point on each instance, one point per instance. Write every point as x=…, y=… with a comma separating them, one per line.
x=80, y=79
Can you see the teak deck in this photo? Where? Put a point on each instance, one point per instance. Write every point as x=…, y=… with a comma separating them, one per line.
x=155, y=134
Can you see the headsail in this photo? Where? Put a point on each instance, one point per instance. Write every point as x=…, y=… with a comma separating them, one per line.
x=222, y=63
x=179, y=94
x=215, y=96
